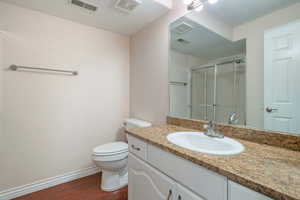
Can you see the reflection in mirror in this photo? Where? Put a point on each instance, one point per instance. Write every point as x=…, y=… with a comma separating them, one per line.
x=237, y=67
x=207, y=74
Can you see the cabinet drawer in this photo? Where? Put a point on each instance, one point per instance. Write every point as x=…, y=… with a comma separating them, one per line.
x=203, y=182
x=238, y=192
x=137, y=147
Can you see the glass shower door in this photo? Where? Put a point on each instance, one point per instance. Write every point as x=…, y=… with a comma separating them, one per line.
x=202, y=93
x=225, y=100
x=218, y=93
x=230, y=93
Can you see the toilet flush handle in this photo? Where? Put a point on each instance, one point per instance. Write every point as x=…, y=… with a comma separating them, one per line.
x=135, y=148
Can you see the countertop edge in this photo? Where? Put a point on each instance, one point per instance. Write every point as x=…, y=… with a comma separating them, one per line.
x=236, y=178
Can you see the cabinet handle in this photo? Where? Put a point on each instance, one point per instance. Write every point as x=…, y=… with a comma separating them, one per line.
x=169, y=195
x=135, y=148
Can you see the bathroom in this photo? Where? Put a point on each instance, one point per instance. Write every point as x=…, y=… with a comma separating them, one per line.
x=149, y=99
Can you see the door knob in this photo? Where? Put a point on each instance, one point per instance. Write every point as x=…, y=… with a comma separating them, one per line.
x=269, y=110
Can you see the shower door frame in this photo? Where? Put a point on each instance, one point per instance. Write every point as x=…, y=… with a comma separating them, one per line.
x=205, y=90
x=215, y=66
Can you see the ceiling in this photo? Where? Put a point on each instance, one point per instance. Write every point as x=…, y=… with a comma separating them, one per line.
x=106, y=17
x=237, y=12
x=204, y=43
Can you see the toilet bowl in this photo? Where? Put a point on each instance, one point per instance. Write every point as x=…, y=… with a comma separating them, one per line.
x=112, y=158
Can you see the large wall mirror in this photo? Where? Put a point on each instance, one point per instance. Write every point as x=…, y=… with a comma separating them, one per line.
x=237, y=62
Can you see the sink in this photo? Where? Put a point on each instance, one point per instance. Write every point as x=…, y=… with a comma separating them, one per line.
x=199, y=142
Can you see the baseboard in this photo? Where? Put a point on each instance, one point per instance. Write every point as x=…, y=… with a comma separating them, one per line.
x=46, y=183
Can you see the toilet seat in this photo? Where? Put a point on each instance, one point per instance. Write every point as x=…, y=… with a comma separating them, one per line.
x=111, y=152
x=111, y=149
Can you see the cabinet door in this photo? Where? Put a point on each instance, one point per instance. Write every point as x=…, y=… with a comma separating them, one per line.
x=146, y=183
x=238, y=192
x=185, y=194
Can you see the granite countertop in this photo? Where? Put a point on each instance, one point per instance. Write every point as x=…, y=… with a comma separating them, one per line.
x=269, y=170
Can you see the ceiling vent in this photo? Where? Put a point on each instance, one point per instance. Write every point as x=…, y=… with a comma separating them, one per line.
x=182, y=41
x=84, y=5
x=127, y=5
x=183, y=27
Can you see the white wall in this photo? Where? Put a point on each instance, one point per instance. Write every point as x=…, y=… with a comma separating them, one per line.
x=180, y=64
x=52, y=122
x=1, y=85
x=254, y=32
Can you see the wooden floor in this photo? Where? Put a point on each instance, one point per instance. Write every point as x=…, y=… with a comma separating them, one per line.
x=86, y=188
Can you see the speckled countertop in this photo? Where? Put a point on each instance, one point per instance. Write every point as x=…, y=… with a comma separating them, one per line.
x=270, y=170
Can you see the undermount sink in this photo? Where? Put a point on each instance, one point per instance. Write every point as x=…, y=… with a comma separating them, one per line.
x=199, y=142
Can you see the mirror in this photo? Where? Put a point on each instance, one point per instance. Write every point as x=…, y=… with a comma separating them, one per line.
x=237, y=62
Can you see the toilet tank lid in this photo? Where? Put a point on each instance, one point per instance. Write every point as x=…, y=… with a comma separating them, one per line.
x=137, y=122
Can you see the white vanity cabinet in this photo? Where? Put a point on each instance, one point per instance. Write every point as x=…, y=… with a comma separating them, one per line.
x=238, y=192
x=155, y=174
x=147, y=183
x=183, y=193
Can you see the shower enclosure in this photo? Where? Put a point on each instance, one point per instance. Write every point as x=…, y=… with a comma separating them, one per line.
x=218, y=92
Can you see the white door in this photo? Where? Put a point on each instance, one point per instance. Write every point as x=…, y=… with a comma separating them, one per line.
x=146, y=183
x=185, y=194
x=281, y=78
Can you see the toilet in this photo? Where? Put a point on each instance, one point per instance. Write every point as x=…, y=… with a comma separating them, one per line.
x=111, y=158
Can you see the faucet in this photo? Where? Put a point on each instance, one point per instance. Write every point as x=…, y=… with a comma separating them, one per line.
x=233, y=118
x=212, y=131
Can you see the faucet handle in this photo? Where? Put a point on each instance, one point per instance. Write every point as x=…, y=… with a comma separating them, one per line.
x=210, y=125
x=205, y=126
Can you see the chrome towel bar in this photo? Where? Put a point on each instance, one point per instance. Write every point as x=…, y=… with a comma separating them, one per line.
x=177, y=83
x=16, y=67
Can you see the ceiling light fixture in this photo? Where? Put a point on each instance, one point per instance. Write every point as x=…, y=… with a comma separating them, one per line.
x=213, y=1
x=197, y=5
x=187, y=2
x=199, y=8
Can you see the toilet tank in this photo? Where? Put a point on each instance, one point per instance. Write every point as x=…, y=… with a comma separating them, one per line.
x=136, y=123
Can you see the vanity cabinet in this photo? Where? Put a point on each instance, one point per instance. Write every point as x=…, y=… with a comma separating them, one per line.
x=183, y=193
x=205, y=183
x=147, y=183
x=238, y=192
x=155, y=174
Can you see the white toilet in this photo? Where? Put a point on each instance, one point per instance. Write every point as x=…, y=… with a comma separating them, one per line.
x=111, y=158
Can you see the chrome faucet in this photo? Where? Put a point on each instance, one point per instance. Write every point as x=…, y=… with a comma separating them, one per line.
x=211, y=130
x=233, y=118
